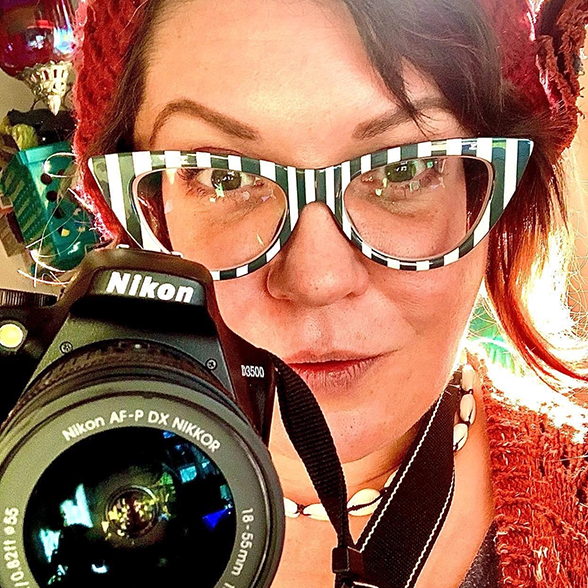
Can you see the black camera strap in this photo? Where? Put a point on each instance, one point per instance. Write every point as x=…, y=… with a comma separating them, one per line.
x=308, y=430
x=401, y=533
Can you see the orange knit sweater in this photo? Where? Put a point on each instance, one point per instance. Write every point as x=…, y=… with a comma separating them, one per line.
x=540, y=480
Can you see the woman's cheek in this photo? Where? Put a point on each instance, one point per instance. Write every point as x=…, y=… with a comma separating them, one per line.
x=246, y=307
x=435, y=302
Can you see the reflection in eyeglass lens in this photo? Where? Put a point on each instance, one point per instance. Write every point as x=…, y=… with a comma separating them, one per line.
x=420, y=208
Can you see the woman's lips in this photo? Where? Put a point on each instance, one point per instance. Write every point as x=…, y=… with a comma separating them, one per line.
x=333, y=376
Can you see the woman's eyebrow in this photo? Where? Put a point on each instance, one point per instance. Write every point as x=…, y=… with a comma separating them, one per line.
x=226, y=123
x=396, y=117
x=231, y=126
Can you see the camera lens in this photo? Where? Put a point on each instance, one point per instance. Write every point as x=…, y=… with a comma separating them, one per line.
x=130, y=465
x=130, y=505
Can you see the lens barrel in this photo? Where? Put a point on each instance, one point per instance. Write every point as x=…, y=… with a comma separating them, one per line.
x=127, y=464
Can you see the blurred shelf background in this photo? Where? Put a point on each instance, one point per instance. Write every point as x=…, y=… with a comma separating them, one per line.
x=14, y=95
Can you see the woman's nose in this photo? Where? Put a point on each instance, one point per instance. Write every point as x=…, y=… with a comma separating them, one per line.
x=318, y=266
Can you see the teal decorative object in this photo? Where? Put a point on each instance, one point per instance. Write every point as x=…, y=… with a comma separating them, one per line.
x=55, y=228
x=485, y=331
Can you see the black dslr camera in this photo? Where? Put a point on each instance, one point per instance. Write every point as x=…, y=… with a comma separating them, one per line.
x=134, y=453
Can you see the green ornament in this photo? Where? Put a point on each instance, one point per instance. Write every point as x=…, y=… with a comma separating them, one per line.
x=24, y=136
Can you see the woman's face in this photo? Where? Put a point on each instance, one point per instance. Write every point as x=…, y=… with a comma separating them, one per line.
x=290, y=82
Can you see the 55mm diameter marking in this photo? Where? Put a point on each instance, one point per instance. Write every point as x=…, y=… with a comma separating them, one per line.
x=10, y=555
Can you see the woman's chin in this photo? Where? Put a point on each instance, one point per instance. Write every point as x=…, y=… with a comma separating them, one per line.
x=365, y=403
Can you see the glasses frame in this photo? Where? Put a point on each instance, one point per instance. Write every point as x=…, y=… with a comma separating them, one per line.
x=116, y=174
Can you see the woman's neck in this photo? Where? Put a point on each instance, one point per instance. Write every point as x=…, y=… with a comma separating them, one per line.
x=370, y=471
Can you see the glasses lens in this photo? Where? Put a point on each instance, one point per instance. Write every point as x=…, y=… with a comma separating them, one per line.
x=219, y=218
x=130, y=507
x=419, y=208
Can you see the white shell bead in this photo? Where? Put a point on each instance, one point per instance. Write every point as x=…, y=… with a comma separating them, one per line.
x=365, y=511
x=390, y=478
x=364, y=496
x=463, y=357
x=290, y=508
x=460, y=436
x=467, y=409
x=316, y=512
x=467, y=377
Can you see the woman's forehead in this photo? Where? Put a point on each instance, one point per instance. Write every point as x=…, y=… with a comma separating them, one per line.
x=286, y=69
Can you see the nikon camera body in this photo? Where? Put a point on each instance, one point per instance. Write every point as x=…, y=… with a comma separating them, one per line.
x=134, y=448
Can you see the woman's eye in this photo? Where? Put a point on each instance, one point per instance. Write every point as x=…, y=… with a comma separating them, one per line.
x=403, y=187
x=407, y=171
x=221, y=180
x=398, y=180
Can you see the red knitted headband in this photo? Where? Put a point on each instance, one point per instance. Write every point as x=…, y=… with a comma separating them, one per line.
x=540, y=51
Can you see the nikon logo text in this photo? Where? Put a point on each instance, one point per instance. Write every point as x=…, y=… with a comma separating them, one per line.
x=144, y=287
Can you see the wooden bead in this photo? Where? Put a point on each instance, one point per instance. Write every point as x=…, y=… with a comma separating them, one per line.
x=468, y=375
x=467, y=409
x=290, y=508
x=460, y=436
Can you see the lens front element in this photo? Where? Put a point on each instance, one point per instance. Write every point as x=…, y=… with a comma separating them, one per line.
x=134, y=506
x=132, y=469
